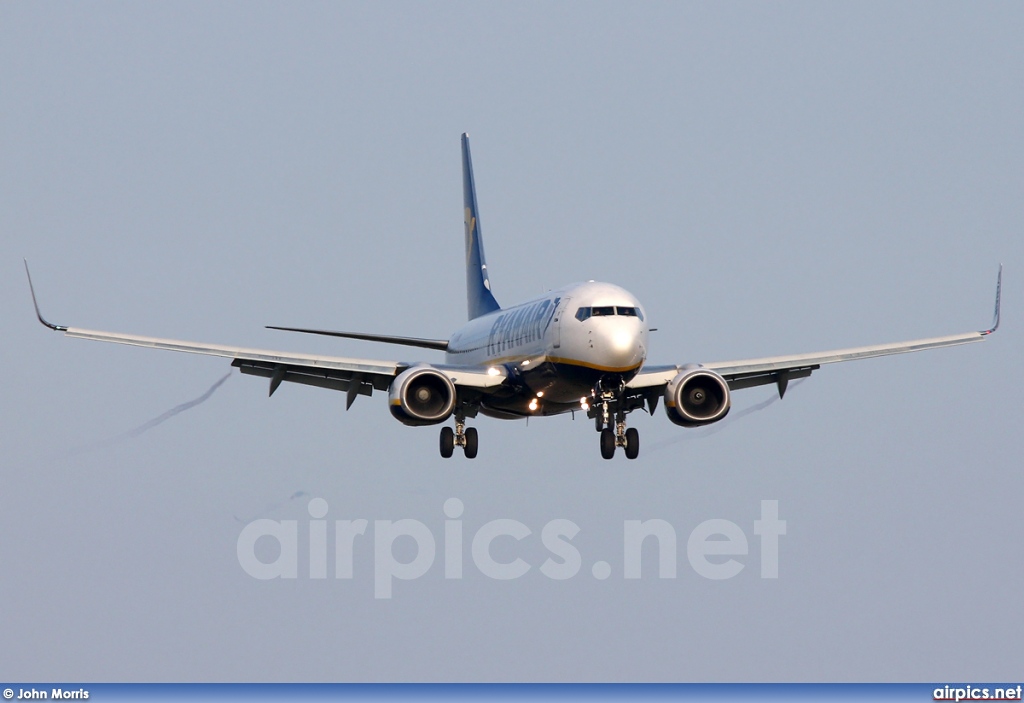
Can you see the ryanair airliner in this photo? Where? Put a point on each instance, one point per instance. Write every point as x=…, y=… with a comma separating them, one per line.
x=581, y=348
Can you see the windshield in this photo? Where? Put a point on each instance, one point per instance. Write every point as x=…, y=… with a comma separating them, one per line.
x=585, y=313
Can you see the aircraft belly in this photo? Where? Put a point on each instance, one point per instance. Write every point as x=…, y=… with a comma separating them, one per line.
x=560, y=383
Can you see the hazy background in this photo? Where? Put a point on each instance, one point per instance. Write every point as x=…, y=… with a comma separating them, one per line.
x=767, y=178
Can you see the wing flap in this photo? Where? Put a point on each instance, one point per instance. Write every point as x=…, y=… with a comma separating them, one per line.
x=779, y=378
x=345, y=381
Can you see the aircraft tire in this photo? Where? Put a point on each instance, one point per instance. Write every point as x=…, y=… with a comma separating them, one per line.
x=607, y=443
x=632, y=443
x=447, y=442
x=472, y=442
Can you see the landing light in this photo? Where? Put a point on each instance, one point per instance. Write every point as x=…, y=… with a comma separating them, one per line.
x=533, y=404
x=584, y=404
x=493, y=372
x=540, y=394
x=526, y=363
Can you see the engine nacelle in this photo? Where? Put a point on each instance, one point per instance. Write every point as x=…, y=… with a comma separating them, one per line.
x=421, y=396
x=697, y=397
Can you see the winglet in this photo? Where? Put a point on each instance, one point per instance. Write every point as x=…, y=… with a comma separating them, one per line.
x=995, y=317
x=478, y=285
x=58, y=328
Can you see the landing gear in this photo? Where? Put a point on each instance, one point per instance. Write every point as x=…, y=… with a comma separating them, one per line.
x=461, y=436
x=632, y=443
x=609, y=410
x=629, y=440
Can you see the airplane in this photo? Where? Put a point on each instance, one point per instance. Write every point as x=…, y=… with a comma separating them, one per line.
x=580, y=348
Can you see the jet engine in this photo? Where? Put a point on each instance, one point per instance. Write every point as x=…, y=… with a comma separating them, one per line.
x=421, y=396
x=696, y=396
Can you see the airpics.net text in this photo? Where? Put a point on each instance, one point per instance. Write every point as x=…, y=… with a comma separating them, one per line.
x=712, y=548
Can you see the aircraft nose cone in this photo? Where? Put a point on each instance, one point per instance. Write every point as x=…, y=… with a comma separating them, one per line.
x=621, y=345
x=622, y=342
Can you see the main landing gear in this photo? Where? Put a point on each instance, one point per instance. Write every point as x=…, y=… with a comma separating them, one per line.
x=628, y=439
x=461, y=436
x=609, y=415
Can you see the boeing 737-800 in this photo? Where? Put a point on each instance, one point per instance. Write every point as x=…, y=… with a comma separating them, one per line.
x=581, y=348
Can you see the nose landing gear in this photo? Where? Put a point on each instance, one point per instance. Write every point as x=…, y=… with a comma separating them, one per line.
x=614, y=403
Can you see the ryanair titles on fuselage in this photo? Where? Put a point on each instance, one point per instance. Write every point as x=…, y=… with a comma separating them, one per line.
x=521, y=325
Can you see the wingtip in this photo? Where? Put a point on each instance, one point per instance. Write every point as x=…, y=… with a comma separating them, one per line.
x=995, y=316
x=35, y=303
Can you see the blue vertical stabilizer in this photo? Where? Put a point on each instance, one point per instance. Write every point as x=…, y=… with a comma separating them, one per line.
x=478, y=286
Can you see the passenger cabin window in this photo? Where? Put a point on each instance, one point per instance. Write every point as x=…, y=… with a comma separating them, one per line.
x=586, y=313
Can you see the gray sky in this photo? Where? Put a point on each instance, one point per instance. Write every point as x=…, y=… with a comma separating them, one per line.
x=767, y=178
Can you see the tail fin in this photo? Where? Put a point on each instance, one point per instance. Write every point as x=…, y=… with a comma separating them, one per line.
x=478, y=286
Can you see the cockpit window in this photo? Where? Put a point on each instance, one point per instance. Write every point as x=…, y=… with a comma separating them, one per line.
x=586, y=313
x=629, y=312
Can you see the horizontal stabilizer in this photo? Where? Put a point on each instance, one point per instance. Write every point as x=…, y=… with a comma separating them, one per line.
x=441, y=344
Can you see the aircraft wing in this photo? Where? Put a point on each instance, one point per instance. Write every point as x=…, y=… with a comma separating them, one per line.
x=779, y=370
x=353, y=376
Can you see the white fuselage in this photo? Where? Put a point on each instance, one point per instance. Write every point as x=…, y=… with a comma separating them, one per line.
x=555, y=351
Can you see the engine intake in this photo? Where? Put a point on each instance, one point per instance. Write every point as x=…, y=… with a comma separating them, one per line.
x=697, y=397
x=421, y=396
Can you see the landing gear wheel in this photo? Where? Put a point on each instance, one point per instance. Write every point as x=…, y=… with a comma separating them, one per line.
x=447, y=442
x=472, y=442
x=607, y=443
x=632, y=443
